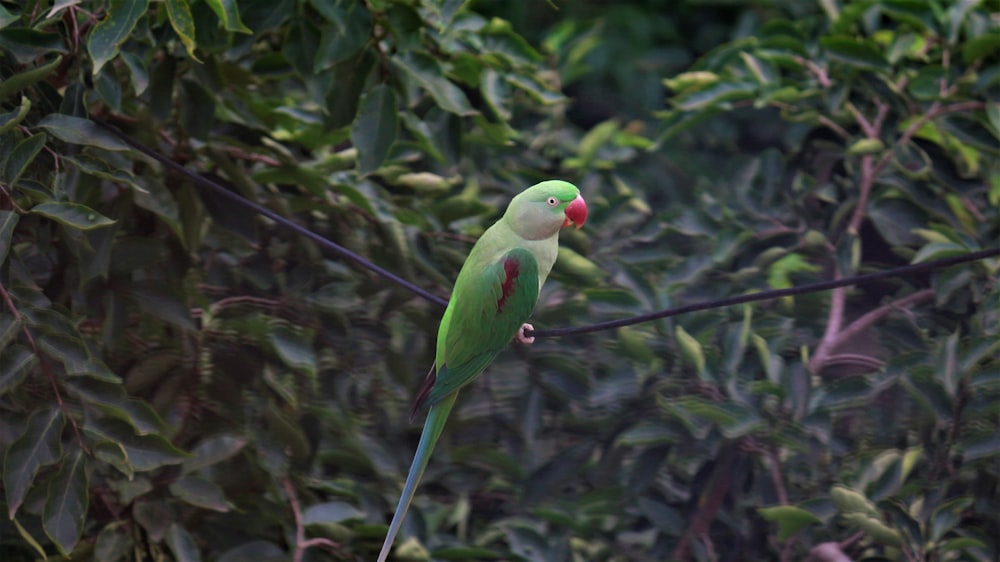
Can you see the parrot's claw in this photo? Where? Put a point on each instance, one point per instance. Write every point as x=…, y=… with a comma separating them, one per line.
x=520, y=337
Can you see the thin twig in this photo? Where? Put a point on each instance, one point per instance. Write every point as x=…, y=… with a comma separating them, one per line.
x=301, y=543
x=821, y=358
x=44, y=366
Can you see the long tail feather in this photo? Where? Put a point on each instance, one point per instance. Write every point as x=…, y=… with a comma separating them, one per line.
x=436, y=417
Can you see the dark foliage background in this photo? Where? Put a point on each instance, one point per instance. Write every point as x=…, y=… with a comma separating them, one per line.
x=181, y=379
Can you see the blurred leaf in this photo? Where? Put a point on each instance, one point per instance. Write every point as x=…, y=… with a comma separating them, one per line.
x=142, y=452
x=113, y=30
x=110, y=398
x=350, y=30
x=15, y=362
x=21, y=157
x=76, y=130
x=375, y=128
x=855, y=52
x=39, y=445
x=24, y=80
x=163, y=302
x=200, y=492
x=690, y=349
x=214, y=450
x=229, y=14
x=72, y=215
x=851, y=501
x=294, y=346
x=66, y=504
x=330, y=512
x=789, y=519
x=181, y=543
x=29, y=45
x=181, y=20
x=426, y=73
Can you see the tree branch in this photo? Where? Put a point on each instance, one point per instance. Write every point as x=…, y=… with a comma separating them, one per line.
x=821, y=358
x=43, y=363
x=301, y=543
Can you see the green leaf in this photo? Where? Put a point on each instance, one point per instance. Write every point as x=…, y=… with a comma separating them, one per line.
x=164, y=302
x=13, y=118
x=15, y=363
x=733, y=420
x=427, y=74
x=181, y=20
x=947, y=516
x=978, y=47
x=330, y=512
x=39, y=445
x=182, y=544
x=21, y=157
x=10, y=327
x=789, y=519
x=142, y=452
x=113, y=542
x=939, y=250
x=294, y=346
x=690, y=349
x=60, y=5
x=30, y=540
x=7, y=18
x=497, y=93
x=847, y=500
x=861, y=147
x=73, y=215
x=228, y=11
x=29, y=45
x=214, y=450
x=110, y=398
x=875, y=528
x=65, y=509
x=349, y=30
x=855, y=52
x=200, y=492
x=108, y=35
x=137, y=70
x=8, y=220
x=375, y=128
x=26, y=79
x=77, y=130
x=542, y=93
x=716, y=95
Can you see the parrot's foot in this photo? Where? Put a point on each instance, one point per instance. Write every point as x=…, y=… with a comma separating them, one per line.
x=520, y=337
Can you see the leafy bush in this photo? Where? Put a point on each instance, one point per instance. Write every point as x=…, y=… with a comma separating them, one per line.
x=181, y=378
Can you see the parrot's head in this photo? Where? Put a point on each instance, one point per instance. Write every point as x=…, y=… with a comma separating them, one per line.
x=541, y=210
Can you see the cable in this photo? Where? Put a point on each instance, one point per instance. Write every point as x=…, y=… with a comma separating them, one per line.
x=556, y=332
x=768, y=295
x=298, y=229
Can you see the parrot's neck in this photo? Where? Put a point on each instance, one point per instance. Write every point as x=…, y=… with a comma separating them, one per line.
x=503, y=236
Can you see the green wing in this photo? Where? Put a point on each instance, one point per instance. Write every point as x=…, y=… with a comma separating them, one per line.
x=491, y=305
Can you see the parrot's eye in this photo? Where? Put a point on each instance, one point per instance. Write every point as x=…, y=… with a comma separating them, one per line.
x=552, y=201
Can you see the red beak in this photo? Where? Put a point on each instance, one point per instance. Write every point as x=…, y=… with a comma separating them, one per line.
x=576, y=212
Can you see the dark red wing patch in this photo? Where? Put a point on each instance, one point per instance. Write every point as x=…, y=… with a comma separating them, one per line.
x=511, y=268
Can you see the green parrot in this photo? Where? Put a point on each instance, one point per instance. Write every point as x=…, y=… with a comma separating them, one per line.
x=493, y=297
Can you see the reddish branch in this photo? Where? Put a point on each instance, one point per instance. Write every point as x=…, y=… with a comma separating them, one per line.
x=709, y=502
x=45, y=367
x=301, y=543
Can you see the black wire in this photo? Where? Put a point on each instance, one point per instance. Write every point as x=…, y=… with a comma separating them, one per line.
x=301, y=230
x=768, y=295
x=556, y=332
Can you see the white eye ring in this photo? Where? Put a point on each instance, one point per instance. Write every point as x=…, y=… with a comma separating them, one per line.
x=552, y=201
